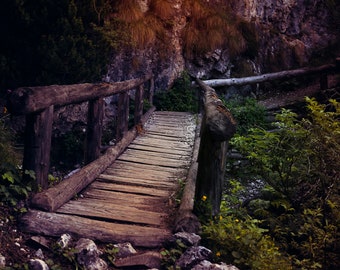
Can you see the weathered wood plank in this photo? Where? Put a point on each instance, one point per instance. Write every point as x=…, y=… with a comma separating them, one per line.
x=170, y=156
x=140, y=174
x=136, y=181
x=158, y=149
x=110, y=195
x=161, y=143
x=56, y=224
x=169, y=136
x=154, y=161
x=110, y=211
x=127, y=164
x=131, y=189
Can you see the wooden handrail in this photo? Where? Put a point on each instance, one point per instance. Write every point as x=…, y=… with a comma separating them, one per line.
x=38, y=103
x=325, y=69
x=27, y=100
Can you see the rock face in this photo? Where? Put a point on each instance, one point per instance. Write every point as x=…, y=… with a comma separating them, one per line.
x=289, y=33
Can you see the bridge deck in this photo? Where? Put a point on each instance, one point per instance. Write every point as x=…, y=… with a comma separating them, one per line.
x=134, y=199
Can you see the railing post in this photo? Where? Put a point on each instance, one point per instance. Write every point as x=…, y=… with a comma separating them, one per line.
x=218, y=126
x=138, y=104
x=122, y=115
x=94, y=129
x=38, y=133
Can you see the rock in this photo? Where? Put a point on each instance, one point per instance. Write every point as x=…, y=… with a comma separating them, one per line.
x=124, y=250
x=188, y=239
x=37, y=264
x=148, y=259
x=206, y=265
x=64, y=240
x=39, y=254
x=193, y=256
x=40, y=241
x=88, y=255
x=2, y=261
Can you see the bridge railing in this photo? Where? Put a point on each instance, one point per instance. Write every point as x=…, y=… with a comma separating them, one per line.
x=38, y=103
x=218, y=126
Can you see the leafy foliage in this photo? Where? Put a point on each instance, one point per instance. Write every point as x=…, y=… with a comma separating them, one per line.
x=50, y=42
x=299, y=164
x=181, y=97
x=247, y=112
x=12, y=187
x=237, y=238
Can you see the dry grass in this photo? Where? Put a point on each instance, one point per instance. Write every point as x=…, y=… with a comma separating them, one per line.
x=209, y=29
x=128, y=11
x=162, y=8
x=142, y=35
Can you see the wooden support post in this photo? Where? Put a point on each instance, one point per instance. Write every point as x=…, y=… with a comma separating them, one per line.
x=94, y=129
x=123, y=115
x=139, y=104
x=218, y=126
x=38, y=134
x=212, y=160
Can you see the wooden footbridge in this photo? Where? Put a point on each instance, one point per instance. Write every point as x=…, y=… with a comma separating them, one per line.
x=134, y=199
x=143, y=188
x=140, y=190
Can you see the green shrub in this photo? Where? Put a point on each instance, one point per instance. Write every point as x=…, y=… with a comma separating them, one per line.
x=247, y=112
x=181, y=97
x=238, y=239
x=12, y=187
x=299, y=163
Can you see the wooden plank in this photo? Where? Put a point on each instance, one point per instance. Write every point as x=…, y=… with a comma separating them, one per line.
x=142, y=174
x=135, y=200
x=53, y=224
x=127, y=189
x=170, y=136
x=135, y=181
x=155, y=161
x=158, y=149
x=172, y=113
x=148, y=154
x=161, y=143
x=110, y=211
x=156, y=176
x=128, y=165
